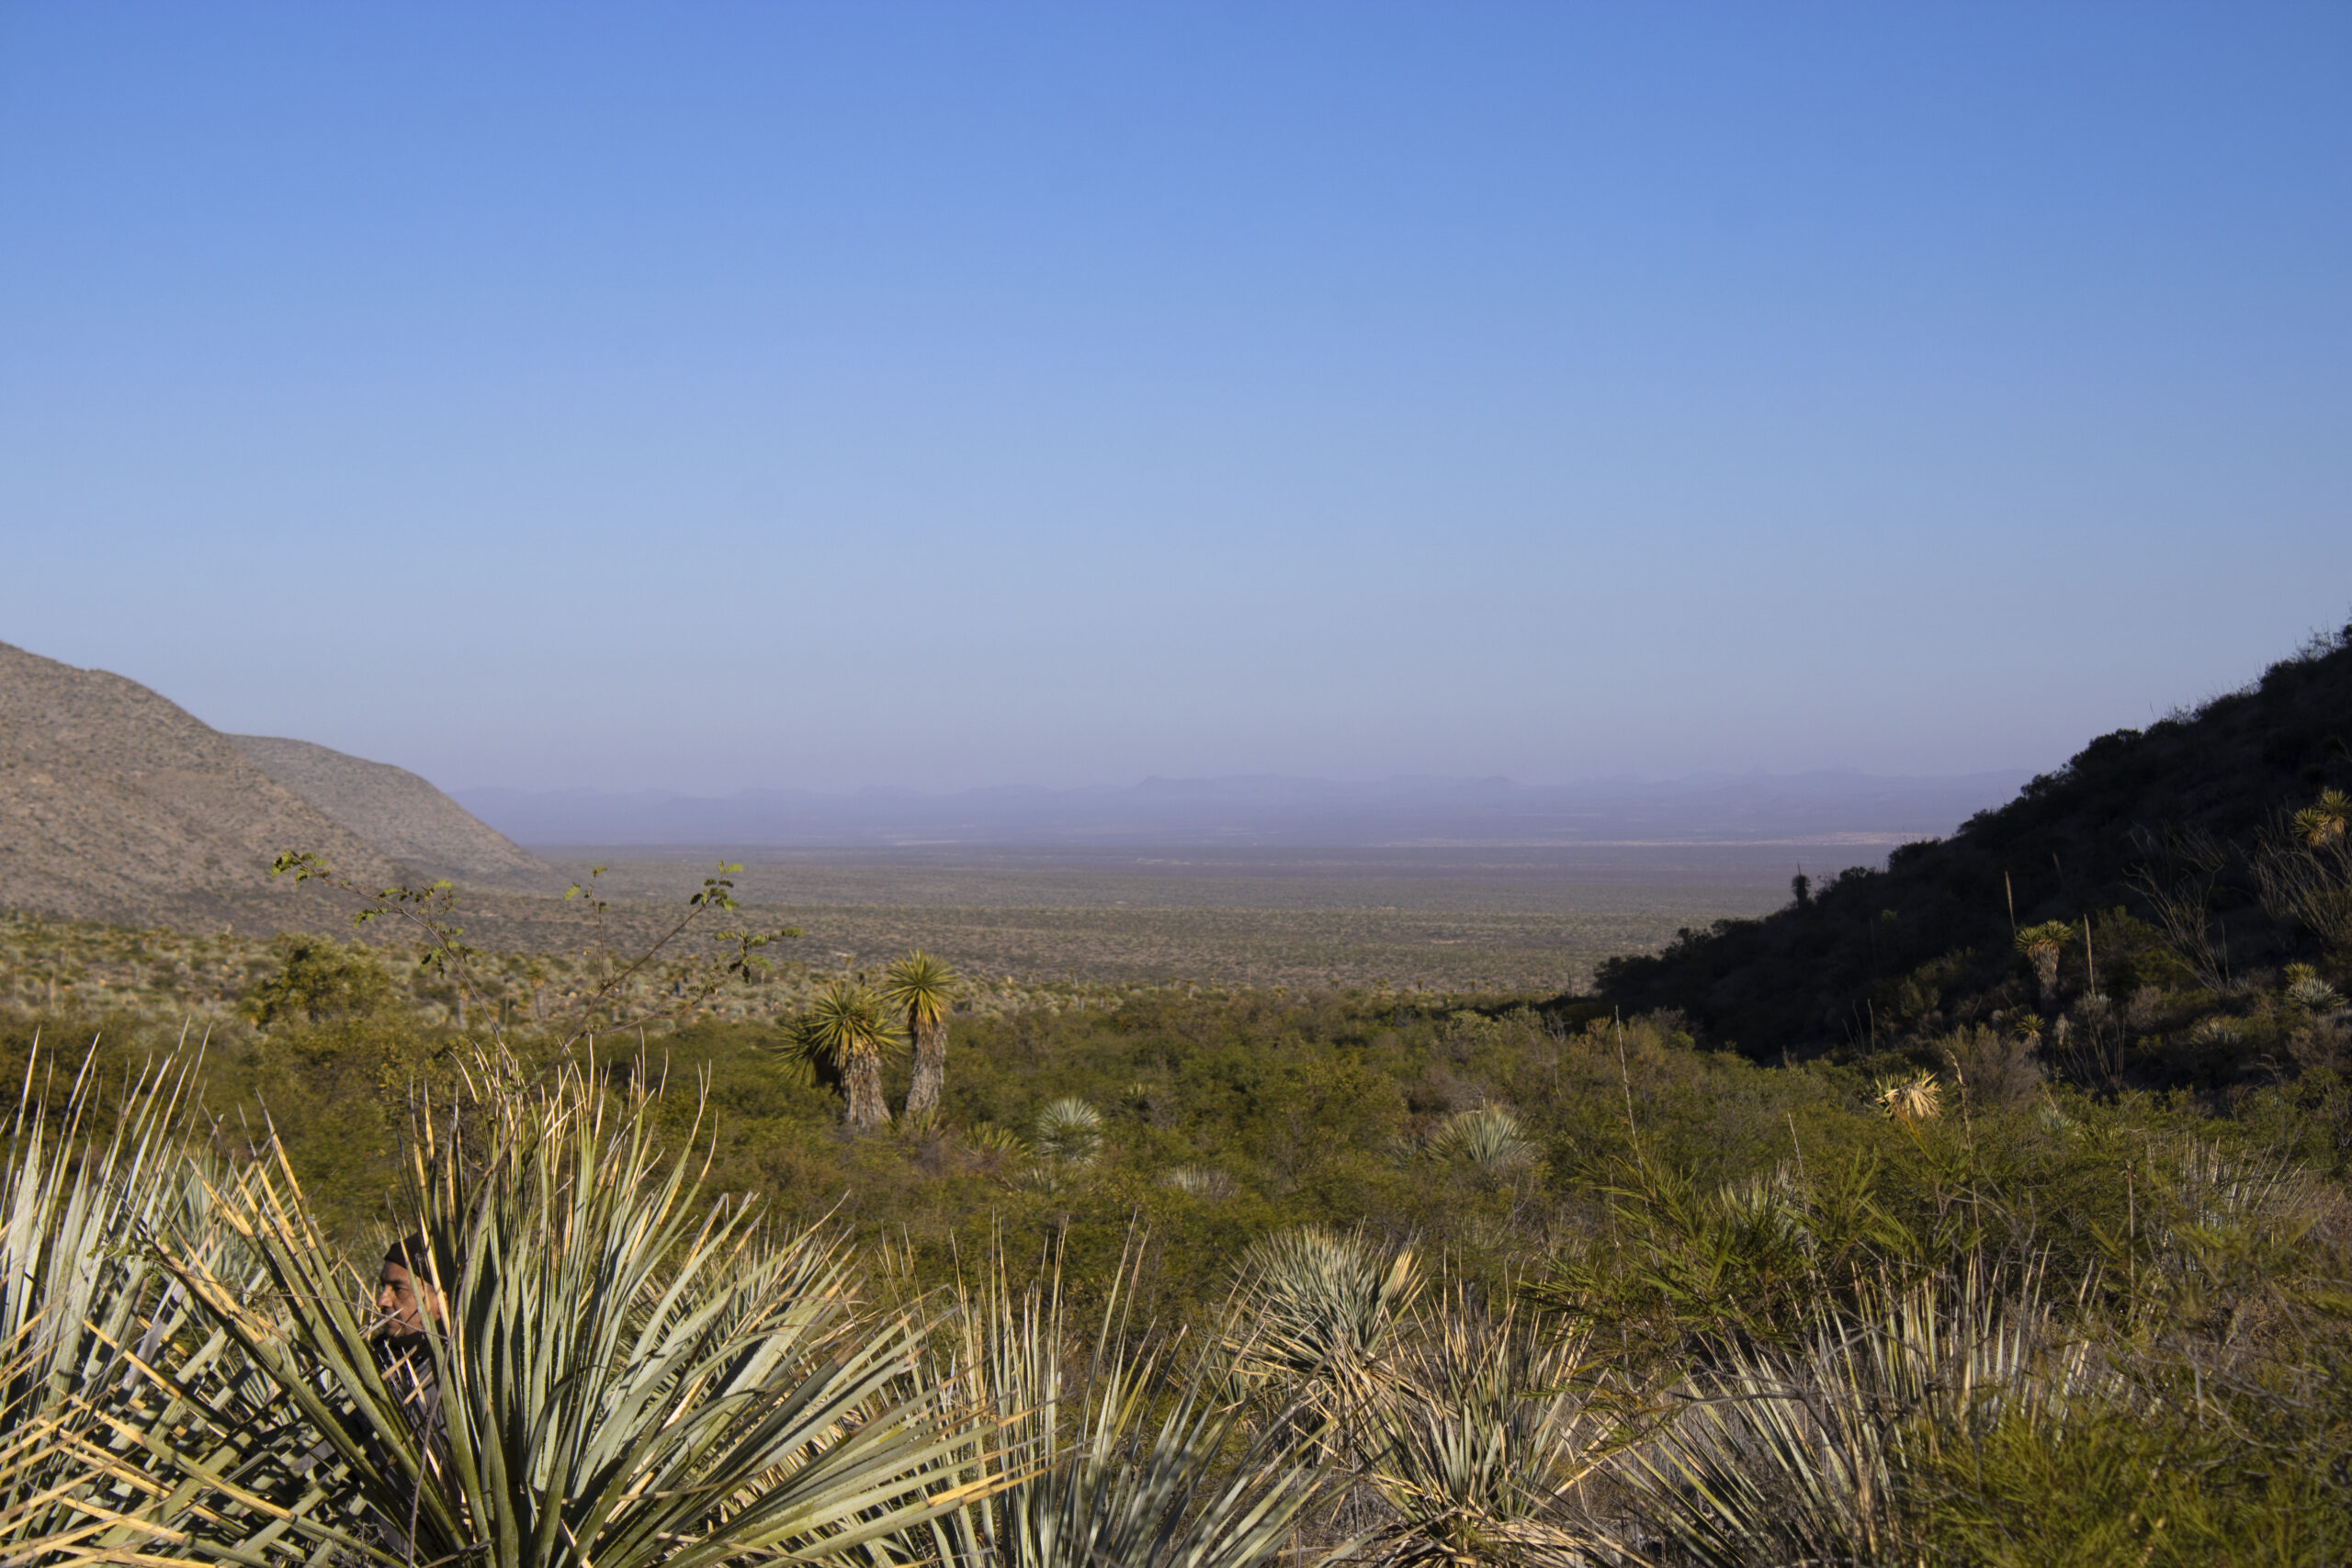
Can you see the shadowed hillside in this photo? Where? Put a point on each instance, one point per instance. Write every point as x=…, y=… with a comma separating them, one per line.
x=116, y=804
x=2152, y=862
x=399, y=813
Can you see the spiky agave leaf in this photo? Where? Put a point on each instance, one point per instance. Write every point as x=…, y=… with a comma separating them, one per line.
x=1128, y=1462
x=616, y=1374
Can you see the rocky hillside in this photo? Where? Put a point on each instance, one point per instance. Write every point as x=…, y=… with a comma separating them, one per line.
x=118, y=804
x=2157, y=855
x=399, y=813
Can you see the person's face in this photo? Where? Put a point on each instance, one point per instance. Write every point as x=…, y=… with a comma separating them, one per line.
x=396, y=1298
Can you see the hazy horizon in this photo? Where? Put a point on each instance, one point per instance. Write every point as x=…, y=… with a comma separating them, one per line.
x=838, y=397
x=1836, y=806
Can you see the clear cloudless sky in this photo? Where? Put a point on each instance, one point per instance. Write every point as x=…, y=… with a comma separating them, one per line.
x=924, y=396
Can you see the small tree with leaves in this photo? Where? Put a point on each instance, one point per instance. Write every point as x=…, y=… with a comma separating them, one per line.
x=319, y=979
x=611, y=1000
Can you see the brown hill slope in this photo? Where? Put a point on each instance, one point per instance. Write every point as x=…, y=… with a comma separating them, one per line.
x=399, y=813
x=118, y=804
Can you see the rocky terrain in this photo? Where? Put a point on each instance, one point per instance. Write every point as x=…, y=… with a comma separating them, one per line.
x=399, y=813
x=118, y=804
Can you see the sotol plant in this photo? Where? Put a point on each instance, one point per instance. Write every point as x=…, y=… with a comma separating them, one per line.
x=1830, y=1451
x=1132, y=1461
x=1479, y=1435
x=1489, y=1139
x=127, y=1431
x=1069, y=1131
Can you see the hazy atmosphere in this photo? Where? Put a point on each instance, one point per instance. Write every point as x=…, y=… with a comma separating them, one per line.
x=930, y=397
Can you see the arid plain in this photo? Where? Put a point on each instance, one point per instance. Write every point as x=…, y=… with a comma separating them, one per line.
x=1485, y=918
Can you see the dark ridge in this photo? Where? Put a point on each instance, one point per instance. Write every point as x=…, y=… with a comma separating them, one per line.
x=1872, y=959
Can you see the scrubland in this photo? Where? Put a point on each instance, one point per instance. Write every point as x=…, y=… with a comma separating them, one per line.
x=1178, y=1273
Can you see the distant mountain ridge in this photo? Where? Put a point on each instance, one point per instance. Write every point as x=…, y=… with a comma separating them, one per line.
x=1831, y=805
x=116, y=804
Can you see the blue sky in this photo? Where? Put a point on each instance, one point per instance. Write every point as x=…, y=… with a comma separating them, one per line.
x=928, y=396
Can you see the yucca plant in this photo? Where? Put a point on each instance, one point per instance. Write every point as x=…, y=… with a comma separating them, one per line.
x=1918, y=1097
x=1129, y=1461
x=2324, y=820
x=2303, y=868
x=1314, y=1311
x=2042, y=946
x=1311, y=1299
x=847, y=1031
x=2306, y=990
x=1204, y=1181
x=923, y=988
x=993, y=1146
x=612, y=1372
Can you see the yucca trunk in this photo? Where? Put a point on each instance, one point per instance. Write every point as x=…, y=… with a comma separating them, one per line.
x=863, y=1079
x=931, y=1066
x=2045, y=971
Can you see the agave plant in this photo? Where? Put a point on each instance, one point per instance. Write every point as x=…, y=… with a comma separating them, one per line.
x=611, y=1371
x=1132, y=1463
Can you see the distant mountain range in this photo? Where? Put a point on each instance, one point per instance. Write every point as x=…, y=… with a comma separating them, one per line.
x=116, y=804
x=1829, y=807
